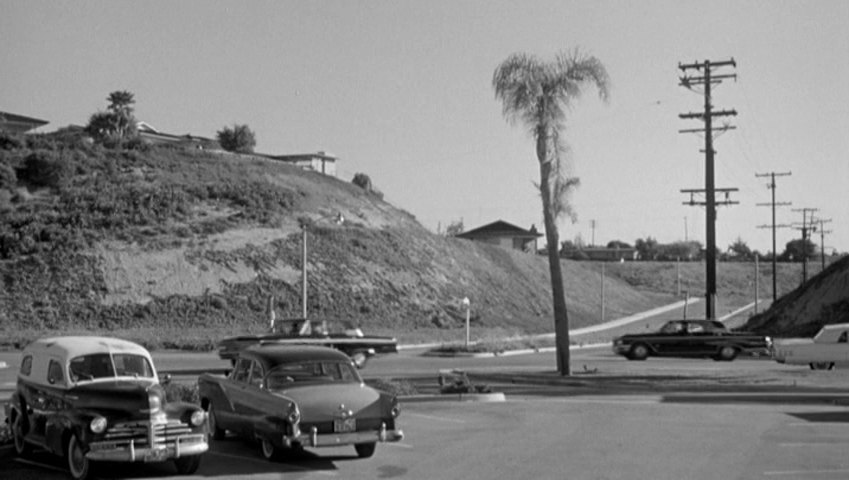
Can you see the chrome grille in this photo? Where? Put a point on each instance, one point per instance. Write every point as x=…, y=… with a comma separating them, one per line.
x=142, y=433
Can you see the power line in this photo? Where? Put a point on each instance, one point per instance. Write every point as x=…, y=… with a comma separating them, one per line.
x=805, y=228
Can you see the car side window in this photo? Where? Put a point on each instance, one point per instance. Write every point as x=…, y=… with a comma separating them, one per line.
x=242, y=371
x=26, y=365
x=54, y=373
x=694, y=328
x=256, y=375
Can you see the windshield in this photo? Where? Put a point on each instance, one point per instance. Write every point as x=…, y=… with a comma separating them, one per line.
x=284, y=376
x=104, y=365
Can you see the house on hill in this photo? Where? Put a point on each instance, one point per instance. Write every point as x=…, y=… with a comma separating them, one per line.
x=14, y=123
x=504, y=235
x=320, y=162
x=150, y=134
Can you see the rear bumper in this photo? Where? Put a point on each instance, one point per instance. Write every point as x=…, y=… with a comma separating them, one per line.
x=314, y=439
x=184, y=446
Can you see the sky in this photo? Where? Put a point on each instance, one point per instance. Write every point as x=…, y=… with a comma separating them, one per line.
x=402, y=91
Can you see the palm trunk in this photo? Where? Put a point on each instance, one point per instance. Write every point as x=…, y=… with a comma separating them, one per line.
x=558, y=293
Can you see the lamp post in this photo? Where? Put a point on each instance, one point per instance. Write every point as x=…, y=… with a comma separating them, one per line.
x=305, y=223
x=467, y=304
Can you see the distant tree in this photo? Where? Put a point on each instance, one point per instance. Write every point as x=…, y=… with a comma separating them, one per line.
x=539, y=94
x=455, y=228
x=117, y=123
x=797, y=249
x=678, y=251
x=740, y=251
x=646, y=249
x=617, y=244
x=239, y=139
x=363, y=181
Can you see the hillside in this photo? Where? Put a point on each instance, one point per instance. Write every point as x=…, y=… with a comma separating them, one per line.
x=822, y=300
x=176, y=248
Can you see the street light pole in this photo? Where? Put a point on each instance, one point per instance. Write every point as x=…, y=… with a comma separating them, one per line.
x=305, y=224
x=467, y=303
x=304, y=271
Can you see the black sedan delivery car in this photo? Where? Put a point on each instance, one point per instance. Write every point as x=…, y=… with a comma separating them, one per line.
x=91, y=399
x=691, y=338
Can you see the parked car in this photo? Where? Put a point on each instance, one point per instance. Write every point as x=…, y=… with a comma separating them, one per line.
x=691, y=338
x=827, y=349
x=92, y=399
x=294, y=396
x=301, y=331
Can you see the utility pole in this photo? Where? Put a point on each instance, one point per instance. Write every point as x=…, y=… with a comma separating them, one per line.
x=771, y=186
x=805, y=228
x=823, y=231
x=707, y=79
x=592, y=224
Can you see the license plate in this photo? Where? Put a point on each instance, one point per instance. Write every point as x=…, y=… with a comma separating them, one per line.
x=156, y=455
x=345, y=425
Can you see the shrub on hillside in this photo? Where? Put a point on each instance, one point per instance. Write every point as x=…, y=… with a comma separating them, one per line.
x=239, y=139
x=10, y=141
x=8, y=178
x=364, y=181
x=44, y=168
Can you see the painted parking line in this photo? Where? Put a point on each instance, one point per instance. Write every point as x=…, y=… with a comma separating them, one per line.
x=40, y=465
x=399, y=445
x=433, y=417
x=797, y=473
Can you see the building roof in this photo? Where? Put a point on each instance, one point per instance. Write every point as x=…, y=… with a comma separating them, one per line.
x=500, y=228
x=304, y=156
x=19, y=123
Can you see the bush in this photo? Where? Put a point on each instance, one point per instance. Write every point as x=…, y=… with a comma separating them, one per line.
x=239, y=139
x=44, y=168
x=8, y=178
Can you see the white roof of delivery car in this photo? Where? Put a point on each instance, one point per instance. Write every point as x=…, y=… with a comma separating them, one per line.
x=75, y=346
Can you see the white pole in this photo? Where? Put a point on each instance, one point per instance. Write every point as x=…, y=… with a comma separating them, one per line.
x=304, y=273
x=467, y=304
x=602, y=292
x=757, y=283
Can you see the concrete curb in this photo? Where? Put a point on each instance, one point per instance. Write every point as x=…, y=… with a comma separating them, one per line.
x=508, y=353
x=454, y=397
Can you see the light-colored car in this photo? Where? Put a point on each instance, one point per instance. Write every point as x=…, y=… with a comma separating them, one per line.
x=828, y=348
x=293, y=396
x=91, y=399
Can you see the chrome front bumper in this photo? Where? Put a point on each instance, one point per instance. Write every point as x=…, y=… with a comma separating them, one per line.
x=314, y=439
x=184, y=446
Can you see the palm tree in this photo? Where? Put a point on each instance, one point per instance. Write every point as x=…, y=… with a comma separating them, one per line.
x=539, y=94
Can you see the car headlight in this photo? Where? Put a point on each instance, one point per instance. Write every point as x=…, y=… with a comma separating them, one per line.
x=197, y=418
x=97, y=425
x=396, y=408
x=155, y=402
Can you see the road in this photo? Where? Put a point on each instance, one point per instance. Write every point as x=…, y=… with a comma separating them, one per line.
x=614, y=419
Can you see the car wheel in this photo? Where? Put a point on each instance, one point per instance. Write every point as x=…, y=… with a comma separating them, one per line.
x=22, y=448
x=187, y=465
x=78, y=465
x=365, y=450
x=639, y=351
x=726, y=353
x=216, y=432
x=360, y=358
x=269, y=451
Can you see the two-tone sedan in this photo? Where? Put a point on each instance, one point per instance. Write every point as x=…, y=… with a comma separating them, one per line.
x=294, y=396
x=92, y=399
x=691, y=338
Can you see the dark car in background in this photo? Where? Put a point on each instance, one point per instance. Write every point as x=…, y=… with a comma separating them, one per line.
x=692, y=338
x=301, y=331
